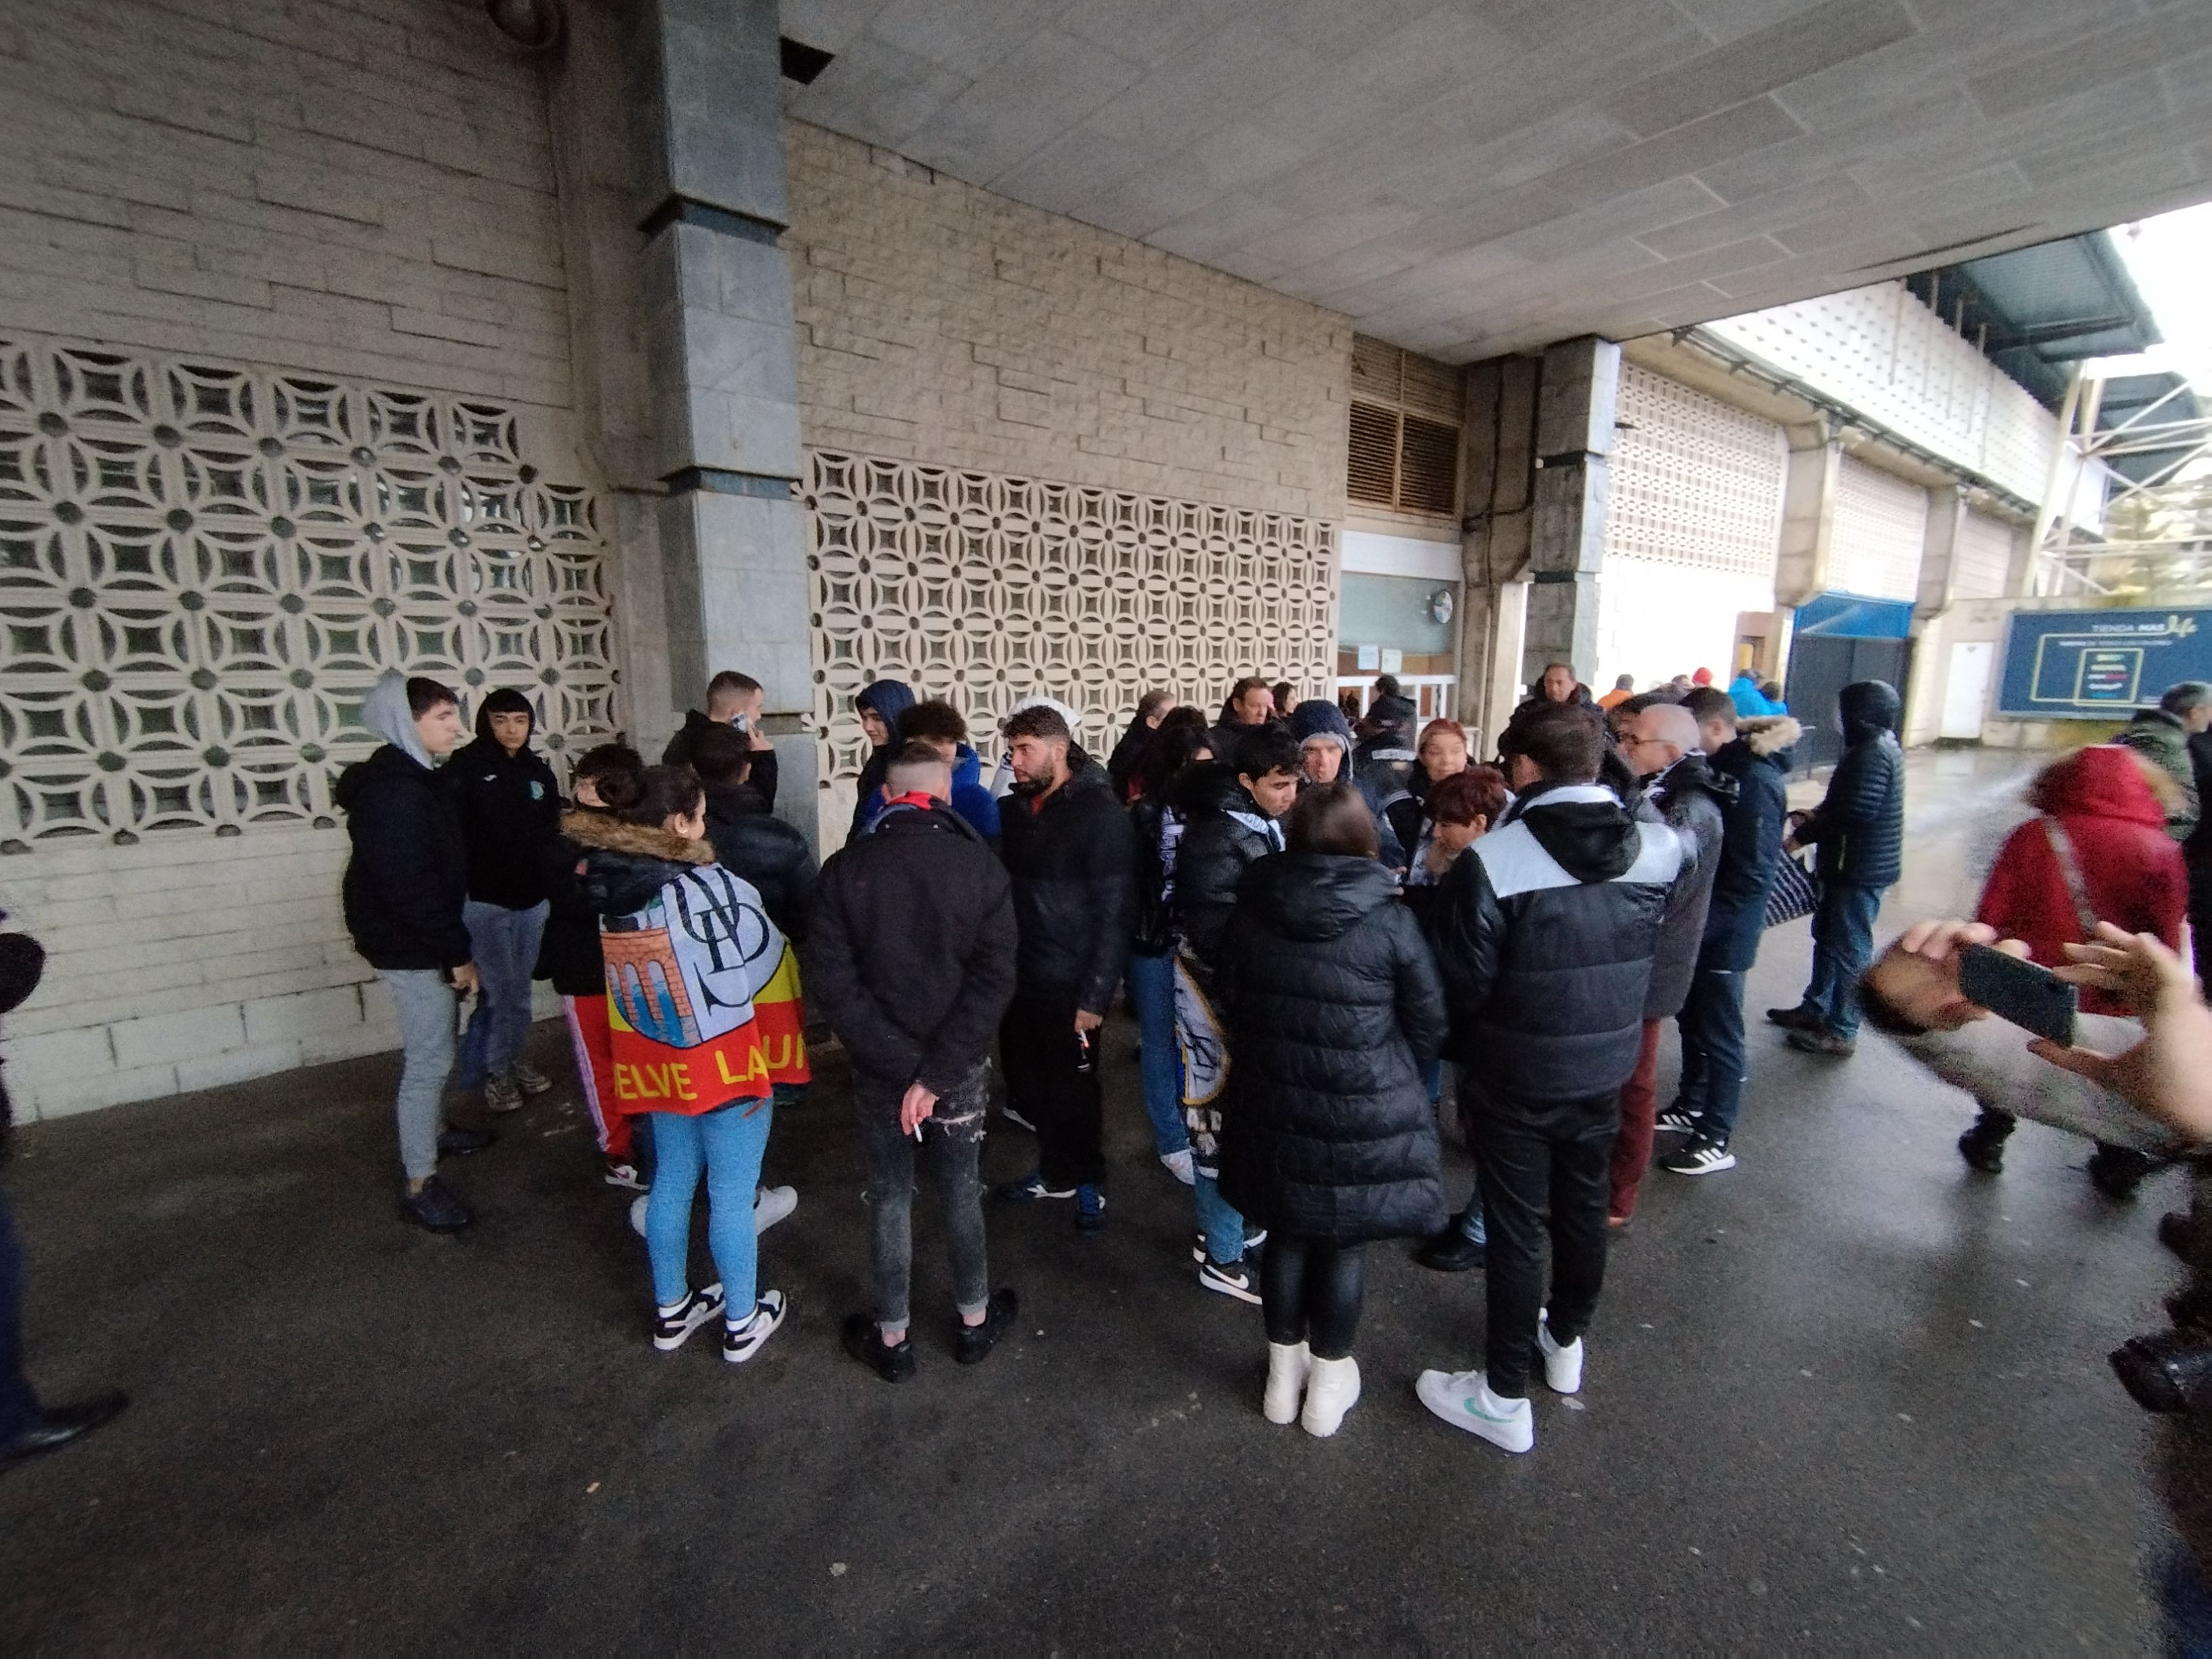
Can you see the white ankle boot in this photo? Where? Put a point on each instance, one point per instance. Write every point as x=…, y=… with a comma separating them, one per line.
x=1287, y=1365
x=1330, y=1392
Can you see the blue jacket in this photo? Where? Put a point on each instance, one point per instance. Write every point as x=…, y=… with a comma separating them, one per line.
x=971, y=799
x=1752, y=827
x=1751, y=702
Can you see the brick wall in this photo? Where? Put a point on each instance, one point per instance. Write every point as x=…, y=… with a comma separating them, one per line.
x=940, y=323
x=361, y=188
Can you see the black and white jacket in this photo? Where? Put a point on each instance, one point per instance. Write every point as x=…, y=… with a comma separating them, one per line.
x=1544, y=933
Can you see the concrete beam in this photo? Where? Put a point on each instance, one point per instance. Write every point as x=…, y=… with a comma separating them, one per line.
x=1808, y=513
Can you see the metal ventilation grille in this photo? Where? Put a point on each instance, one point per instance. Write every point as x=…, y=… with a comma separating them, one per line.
x=1407, y=413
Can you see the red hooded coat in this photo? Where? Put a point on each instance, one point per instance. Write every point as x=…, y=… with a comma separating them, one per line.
x=2132, y=869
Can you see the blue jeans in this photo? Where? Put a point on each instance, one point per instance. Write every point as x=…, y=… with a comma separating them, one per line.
x=1713, y=1064
x=1843, y=945
x=506, y=945
x=1151, y=993
x=1224, y=1227
x=726, y=1144
x=19, y=1406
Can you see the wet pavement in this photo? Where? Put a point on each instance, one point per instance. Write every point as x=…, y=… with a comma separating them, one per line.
x=1848, y=1396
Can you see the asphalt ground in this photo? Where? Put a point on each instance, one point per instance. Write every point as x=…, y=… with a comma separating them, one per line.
x=1848, y=1396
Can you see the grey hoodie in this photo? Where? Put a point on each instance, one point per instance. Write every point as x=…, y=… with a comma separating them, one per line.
x=384, y=714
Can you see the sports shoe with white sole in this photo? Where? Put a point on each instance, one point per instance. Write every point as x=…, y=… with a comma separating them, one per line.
x=1672, y=1122
x=771, y=1204
x=1464, y=1400
x=621, y=1172
x=529, y=1078
x=741, y=1342
x=1016, y=1119
x=673, y=1326
x=1181, y=1166
x=1563, y=1366
x=1231, y=1280
x=502, y=1094
x=1031, y=1189
x=1700, y=1157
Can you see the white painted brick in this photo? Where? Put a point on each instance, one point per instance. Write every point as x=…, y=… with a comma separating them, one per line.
x=236, y=1065
x=347, y=1042
x=63, y=1098
x=188, y=1034
x=40, y=1057
x=272, y=1019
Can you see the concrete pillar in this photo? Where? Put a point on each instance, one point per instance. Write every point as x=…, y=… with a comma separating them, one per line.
x=722, y=361
x=1574, y=418
x=1808, y=513
x=1939, y=582
x=1498, y=458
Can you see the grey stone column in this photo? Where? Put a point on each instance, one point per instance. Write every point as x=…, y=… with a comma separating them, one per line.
x=722, y=364
x=1575, y=415
x=1808, y=513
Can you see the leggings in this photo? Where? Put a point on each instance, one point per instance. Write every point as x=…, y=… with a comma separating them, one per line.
x=1309, y=1292
x=725, y=1146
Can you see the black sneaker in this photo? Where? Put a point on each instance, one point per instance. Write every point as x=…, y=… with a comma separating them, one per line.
x=1232, y=1279
x=1700, y=1157
x=1029, y=1188
x=2116, y=1171
x=1451, y=1251
x=58, y=1425
x=864, y=1342
x=1983, y=1146
x=458, y=1140
x=673, y=1326
x=2178, y=1233
x=972, y=1343
x=1673, y=1122
x=1800, y=1018
x=434, y=1208
x=1817, y=1041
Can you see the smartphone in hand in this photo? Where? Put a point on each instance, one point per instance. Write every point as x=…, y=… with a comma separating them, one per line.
x=2033, y=998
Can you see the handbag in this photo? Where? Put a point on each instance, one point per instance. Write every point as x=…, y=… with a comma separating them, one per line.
x=1792, y=895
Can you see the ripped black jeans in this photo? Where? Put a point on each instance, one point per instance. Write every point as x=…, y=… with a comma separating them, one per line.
x=953, y=1145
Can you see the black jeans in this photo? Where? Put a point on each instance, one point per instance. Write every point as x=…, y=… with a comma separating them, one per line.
x=1309, y=1292
x=1037, y=1042
x=19, y=1405
x=952, y=1146
x=1714, y=1069
x=1545, y=1169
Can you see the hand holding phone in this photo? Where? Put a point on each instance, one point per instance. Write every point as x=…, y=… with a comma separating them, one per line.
x=2033, y=998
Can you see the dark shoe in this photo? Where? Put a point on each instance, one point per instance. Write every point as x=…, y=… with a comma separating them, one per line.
x=1800, y=1018
x=458, y=1140
x=1617, y=1226
x=60, y=1425
x=1699, y=1156
x=1676, y=1121
x=972, y=1343
x=2116, y=1171
x=1228, y=1278
x=864, y=1342
x=2168, y=1371
x=2191, y=1308
x=2177, y=1234
x=1983, y=1146
x=1822, y=1043
x=1090, y=1209
x=1030, y=1188
x=1451, y=1252
x=435, y=1208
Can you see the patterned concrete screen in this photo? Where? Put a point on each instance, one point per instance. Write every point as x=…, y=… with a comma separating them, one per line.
x=203, y=567
x=981, y=589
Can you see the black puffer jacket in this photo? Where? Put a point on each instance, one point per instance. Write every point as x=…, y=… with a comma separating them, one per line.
x=1152, y=933
x=1692, y=799
x=1073, y=863
x=1859, y=825
x=409, y=874
x=570, y=954
x=1225, y=832
x=510, y=807
x=1544, y=933
x=760, y=780
x=1751, y=845
x=1332, y=1002
x=911, y=956
x=625, y=864
x=765, y=851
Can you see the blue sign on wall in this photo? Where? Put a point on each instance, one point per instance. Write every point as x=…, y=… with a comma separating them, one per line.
x=2099, y=665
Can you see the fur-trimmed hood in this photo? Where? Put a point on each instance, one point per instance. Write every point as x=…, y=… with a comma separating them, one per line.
x=1769, y=734
x=626, y=864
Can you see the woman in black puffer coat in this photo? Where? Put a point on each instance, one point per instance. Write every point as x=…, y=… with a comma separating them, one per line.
x=1333, y=1002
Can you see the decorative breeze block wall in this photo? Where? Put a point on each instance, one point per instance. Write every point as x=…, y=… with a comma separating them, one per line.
x=203, y=566
x=1695, y=482
x=983, y=589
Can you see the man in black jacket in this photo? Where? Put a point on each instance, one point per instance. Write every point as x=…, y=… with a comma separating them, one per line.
x=1250, y=705
x=1068, y=850
x=1383, y=764
x=510, y=805
x=733, y=700
x=1754, y=754
x=1544, y=933
x=1230, y=814
x=1859, y=829
x=911, y=960
x=405, y=889
x=748, y=840
x=1660, y=741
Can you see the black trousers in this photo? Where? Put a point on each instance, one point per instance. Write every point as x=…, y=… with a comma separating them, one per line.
x=1310, y=1293
x=1036, y=1041
x=19, y=1406
x=1544, y=1170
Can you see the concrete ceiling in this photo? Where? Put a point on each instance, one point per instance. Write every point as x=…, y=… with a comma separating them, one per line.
x=1472, y=178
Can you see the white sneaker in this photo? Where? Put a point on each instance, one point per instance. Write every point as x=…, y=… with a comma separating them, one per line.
x=1563, y=1367
x=771, y=1204
x=1464, y=1400
x=1181, y=1166
x=672, y=1326
x=741, y=1342
x=1232, y=1281
x=637, y=1213
x=1287, y=1368
x=1332, y=1389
